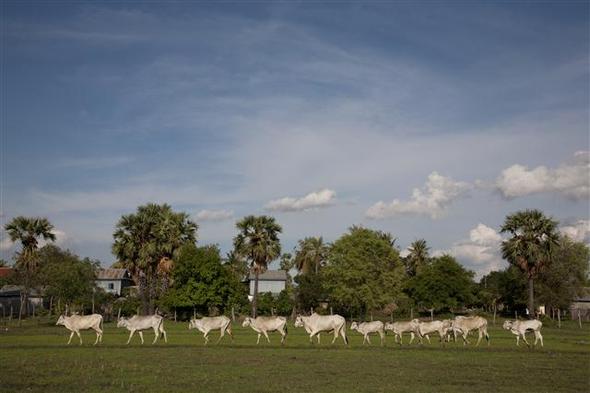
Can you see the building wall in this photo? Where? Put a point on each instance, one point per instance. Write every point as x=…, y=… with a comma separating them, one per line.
x=104, y=284
x=268, y=286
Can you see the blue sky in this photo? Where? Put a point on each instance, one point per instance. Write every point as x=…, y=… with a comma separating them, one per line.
x=427, y=119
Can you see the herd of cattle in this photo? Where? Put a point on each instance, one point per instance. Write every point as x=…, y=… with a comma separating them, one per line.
x=314, y=325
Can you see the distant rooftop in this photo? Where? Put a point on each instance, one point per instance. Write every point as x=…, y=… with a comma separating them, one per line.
x=5, y=271
x=113, y=274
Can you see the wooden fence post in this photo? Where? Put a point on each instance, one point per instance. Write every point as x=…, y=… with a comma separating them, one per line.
x=411, y=312
x=580, y=318
x=559, y=317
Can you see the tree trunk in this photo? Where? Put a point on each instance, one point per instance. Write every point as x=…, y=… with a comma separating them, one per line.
x=559, y=317
x=255, y=295
x=531, y=302
x=494, y=313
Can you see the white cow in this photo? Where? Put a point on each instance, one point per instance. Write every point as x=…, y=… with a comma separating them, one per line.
x=399, y=328
x=75, y=323
x=315, y=323
x=365, y=328
x=206, y=324
x=519, y=328
x=464, y=325
x=440, y=327
x=137, y=323
x=263, y=325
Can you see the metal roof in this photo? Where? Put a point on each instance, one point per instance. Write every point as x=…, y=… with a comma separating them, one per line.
x=113, y=274
x=270, y=275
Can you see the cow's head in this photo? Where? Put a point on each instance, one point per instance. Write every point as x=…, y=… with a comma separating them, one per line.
x=247, y=322
x=122, y=322
x=61, y=320
x=354, y=326
x=507, y=325
x=389, y=326
x=299, y=321
x=193, y=324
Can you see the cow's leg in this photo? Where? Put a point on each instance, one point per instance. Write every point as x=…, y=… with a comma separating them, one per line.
x=229, y=331
x=98, y=333
x=411, y=337
x=283, y=335
x=156, y=334
x=480, y=335
x=311, y=338
x=266, y=335
x=258, y=341
x=524, y=338
x=518, y=340
x=335, y=336
x=368, y=339
x=464, y=336
x=206, y=337
x=162, y=331
x=221, y=334
x=140, y=336
x=79, y=336
x=130, y=335
x=539, y=336
x=71, y=335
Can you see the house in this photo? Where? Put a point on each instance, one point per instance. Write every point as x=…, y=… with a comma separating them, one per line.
x=10, y=298
x=581, y=305
x=114, y=280
x=273, y=281
x=6, y=272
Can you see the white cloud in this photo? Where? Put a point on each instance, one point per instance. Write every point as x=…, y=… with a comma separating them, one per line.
x=433, y=199
x=60, y=238
x=313, y=200
x=570, y=179
x=214, y=215
x=578, y=231
x=5, y=244
x=481, y=252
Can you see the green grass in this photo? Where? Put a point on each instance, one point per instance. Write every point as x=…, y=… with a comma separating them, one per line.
x=36, y=358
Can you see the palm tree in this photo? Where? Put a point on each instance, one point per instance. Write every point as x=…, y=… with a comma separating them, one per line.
x=28, y=231
x=530, y=248
x=310, y=255
x=258, y=242
x=418, y=257
x=147, y=242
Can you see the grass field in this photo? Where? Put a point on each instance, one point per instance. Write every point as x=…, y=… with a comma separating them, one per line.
x=35, y=358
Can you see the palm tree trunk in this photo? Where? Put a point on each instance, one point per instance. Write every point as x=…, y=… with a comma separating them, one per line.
x=255, y=296
x=531, y=304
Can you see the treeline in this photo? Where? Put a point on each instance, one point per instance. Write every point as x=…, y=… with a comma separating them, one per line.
x=360, y=273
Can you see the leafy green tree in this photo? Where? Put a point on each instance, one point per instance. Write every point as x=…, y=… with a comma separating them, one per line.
x=237, y=265
x=507, y=288
x=202, y=282
x=363, y=271
x=66, y=277
x=442, y=285
x=310, y=255
x=287, y=263
x=310, y=291
x=258, y=242
x=147, y=242
x=418, y=257
x=565, y=277
x=28, y=231
x=533, y=239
